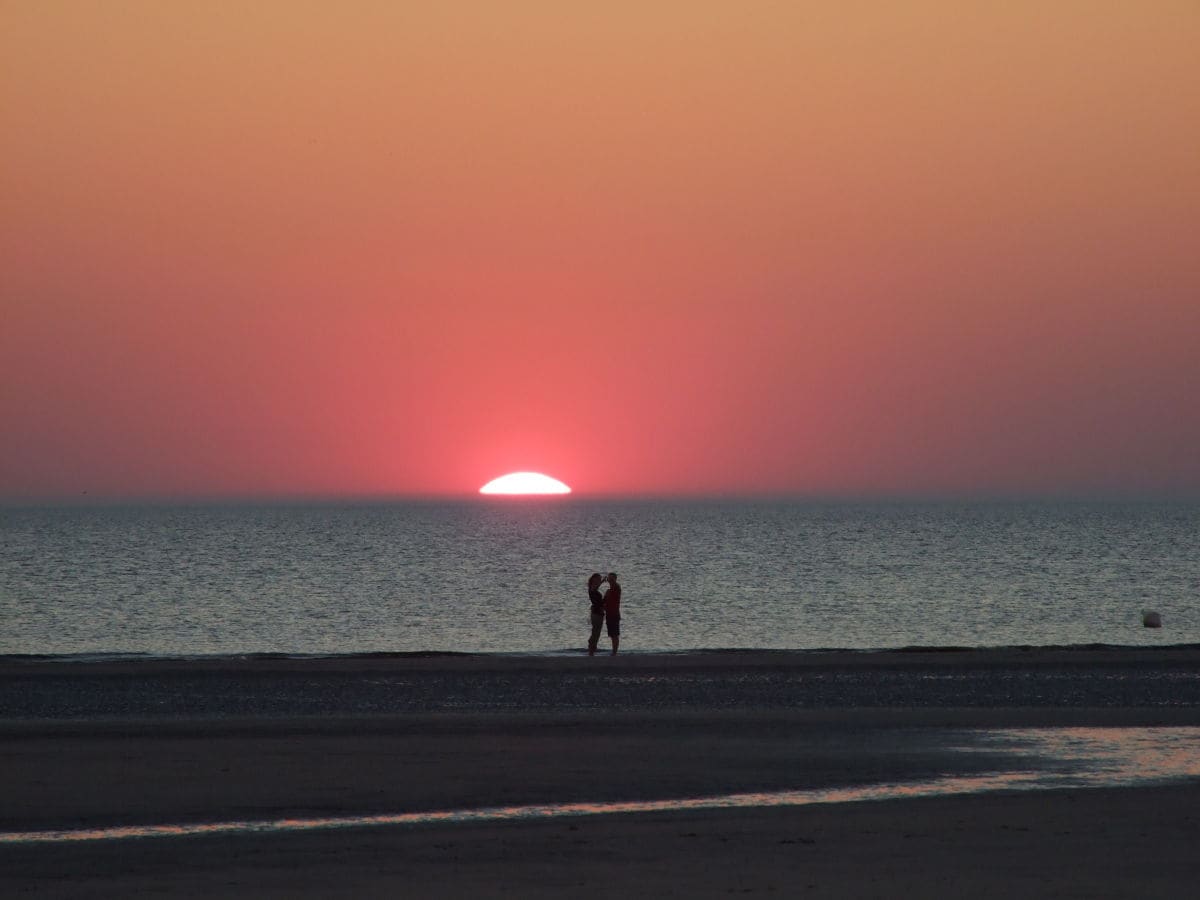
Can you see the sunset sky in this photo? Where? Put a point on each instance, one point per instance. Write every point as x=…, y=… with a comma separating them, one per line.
x=815, y=248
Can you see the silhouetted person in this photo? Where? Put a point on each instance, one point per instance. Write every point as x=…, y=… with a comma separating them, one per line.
x=597, y=600
x=612, y=610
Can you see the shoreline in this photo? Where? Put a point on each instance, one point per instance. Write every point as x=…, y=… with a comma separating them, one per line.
x=723, y=682
x=68, y=774
x=174, y=742
x=1118, y=841
x=479, y=723
x=1084, y=654
x=1112, y=843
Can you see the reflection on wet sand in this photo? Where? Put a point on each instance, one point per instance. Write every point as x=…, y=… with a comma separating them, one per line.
x=1044, y=759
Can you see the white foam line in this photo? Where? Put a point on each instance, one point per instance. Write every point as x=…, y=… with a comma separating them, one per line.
x=937, y=787
x=1094, y=758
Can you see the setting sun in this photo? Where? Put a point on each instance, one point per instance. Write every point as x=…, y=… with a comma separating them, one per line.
x=524, y=483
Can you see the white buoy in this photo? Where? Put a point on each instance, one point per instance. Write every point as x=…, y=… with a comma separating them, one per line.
x=1151, y=619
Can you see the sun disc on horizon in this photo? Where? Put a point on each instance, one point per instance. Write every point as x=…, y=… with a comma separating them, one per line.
x=524, y=483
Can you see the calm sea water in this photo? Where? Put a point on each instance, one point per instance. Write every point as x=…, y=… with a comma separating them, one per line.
x=508, y=575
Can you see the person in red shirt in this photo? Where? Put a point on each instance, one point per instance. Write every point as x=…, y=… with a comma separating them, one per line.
x=612, y=610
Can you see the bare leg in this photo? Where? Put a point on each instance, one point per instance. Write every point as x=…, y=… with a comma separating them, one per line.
x=594, y=639
x=616, y=642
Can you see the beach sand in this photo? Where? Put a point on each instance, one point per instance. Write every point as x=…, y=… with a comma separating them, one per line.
x=63, y=772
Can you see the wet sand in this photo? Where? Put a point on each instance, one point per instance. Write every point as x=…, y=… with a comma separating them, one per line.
x=733, y=680
x=1119, y=843
x=63, y=771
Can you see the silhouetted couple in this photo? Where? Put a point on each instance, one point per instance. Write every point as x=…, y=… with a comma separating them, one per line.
x=606, y=609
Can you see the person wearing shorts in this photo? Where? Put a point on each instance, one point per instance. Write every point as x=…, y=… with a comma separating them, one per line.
x=597, y=614
x=612, y=610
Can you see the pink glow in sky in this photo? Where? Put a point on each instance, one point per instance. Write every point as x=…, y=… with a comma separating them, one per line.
x=649, y=248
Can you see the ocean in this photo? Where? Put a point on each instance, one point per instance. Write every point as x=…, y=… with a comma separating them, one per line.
x=506, y=575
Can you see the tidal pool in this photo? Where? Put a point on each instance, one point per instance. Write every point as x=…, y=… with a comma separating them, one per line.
x=1043, y=759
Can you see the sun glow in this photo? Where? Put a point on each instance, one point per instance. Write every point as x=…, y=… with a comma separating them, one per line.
x=524, y=483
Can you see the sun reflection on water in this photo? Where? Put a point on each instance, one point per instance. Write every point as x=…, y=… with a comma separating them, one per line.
x=1045, y=759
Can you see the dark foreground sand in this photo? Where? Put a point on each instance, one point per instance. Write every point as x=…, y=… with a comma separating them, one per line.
x=62, y=772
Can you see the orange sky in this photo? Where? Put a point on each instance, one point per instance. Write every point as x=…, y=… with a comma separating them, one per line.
x=387, y=248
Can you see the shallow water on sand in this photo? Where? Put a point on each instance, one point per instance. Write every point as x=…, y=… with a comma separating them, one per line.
x=508, y=576
x=1042, y=759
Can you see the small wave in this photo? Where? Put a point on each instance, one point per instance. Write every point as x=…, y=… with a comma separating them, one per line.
x=573, y=652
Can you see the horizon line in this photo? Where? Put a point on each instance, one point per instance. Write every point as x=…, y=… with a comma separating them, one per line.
x=383, y=498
